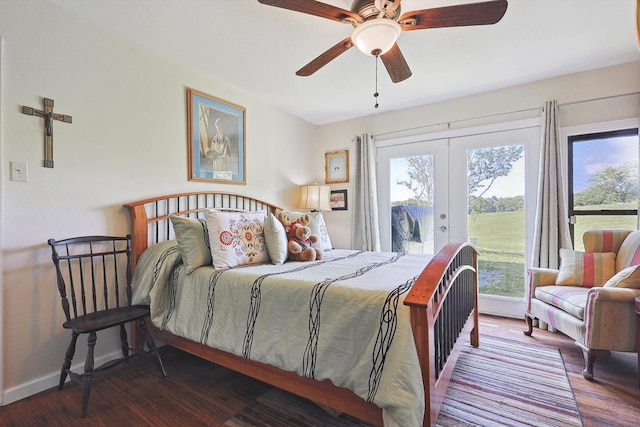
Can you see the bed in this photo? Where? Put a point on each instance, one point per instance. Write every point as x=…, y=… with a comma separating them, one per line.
x=420, y=319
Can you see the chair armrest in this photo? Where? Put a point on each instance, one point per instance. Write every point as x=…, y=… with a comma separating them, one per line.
x=599, y=294
x=541, y=277
x=610, y=319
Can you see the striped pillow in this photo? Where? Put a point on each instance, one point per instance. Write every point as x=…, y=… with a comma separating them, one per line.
x=585, y=268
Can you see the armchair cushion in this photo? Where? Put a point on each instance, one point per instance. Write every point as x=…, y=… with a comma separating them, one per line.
x=571, y=299
x=604, y=240
x=629, y=253
x=585, y=268
x=626, y=278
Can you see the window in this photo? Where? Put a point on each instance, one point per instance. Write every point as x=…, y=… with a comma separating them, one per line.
x=603, y=181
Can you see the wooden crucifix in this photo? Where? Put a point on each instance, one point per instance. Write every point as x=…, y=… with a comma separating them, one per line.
x=49, y=116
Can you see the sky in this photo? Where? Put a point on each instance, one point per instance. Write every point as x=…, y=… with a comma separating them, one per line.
x=590, y=157
x=511, y=185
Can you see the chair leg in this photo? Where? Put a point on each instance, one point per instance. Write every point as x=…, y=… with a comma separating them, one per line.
x=528, y=318
x=124, y=341
x=589, y=359
x=151, y=344
x=68, y=357
x=88, y=370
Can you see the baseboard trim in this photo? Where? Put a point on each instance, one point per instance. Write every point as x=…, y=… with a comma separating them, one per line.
x=46, y=382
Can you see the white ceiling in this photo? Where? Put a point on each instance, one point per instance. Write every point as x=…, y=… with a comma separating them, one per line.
x=258, y=49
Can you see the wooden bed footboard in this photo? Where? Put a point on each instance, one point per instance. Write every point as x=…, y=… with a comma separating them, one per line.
x=444, y=308
x=443, y=305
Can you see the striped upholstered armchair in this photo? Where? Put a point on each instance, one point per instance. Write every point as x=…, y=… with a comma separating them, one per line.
x=591, y=297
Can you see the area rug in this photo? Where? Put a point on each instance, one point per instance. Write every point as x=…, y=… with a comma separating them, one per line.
x=509, y=383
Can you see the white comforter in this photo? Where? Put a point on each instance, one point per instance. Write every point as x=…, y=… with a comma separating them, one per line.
x=341, y=318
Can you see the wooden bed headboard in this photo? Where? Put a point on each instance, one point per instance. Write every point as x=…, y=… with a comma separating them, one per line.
x=150, y=217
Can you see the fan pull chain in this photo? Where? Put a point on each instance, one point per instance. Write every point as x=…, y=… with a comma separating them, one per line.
x=375, y=95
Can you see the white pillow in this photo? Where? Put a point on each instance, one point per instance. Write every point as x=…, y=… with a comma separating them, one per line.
x=236, y=238
x=323, y=234
x=317, y=226
x=276, y=238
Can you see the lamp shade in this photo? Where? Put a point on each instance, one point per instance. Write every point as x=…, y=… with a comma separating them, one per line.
x=376, y=36
x=315, y=197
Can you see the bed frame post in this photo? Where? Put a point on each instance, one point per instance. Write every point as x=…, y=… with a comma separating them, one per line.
x=139, y=232
x=424, y=346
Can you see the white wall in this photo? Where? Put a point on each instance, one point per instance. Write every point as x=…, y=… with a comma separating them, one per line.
x=127, y=142
x=526, y=101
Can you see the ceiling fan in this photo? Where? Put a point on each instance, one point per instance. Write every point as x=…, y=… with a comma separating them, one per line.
x=378, y=24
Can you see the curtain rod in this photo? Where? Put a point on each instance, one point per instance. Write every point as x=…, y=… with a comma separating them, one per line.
x=602, y=98
x=566, y=104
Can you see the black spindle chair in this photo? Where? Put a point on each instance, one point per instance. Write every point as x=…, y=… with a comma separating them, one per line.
x=94, y=281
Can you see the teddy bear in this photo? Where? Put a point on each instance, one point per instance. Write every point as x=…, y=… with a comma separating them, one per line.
x=300, y=239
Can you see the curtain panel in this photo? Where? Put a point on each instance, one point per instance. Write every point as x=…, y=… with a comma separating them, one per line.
x=552, y=226
x=365, y=231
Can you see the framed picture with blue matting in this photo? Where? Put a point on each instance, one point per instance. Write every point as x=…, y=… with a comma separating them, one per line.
x=216, y=132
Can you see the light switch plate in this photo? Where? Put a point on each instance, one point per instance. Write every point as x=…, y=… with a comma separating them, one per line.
x=19, y=171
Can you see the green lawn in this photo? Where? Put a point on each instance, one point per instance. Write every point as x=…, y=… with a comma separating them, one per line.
x=501, y=247
x=500, y=244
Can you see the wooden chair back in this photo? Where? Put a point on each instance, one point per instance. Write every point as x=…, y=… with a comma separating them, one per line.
x=93, y=273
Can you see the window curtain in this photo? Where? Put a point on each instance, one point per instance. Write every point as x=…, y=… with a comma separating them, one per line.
x=365, y=233
x=552, y=226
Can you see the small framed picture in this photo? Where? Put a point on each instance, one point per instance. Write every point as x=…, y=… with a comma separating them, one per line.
x=216, y=133
x=339, y=200
x=336, y=167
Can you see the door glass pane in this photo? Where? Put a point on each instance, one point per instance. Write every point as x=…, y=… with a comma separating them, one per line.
x=496, y=217
x=412, y=190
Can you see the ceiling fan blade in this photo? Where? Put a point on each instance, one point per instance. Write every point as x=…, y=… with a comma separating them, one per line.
x=461, y=15
x=316, y=8
x=396, y=65
x=325, y=57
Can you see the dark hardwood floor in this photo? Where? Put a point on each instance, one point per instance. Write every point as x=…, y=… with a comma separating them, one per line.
x=197, y=393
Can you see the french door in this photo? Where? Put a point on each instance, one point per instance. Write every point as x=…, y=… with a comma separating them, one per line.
x=480, y=186
x=417, y=220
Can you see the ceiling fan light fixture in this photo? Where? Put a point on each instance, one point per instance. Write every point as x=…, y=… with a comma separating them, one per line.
x=376, y=36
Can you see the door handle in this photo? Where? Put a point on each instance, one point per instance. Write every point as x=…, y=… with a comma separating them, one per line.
x=443, y=228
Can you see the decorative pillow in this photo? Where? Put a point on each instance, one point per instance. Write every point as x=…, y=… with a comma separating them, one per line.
x=236, y=238
x=276, y=239
x=585, y=268
x=627, y=278
x=193, y=238
x=317, y=226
